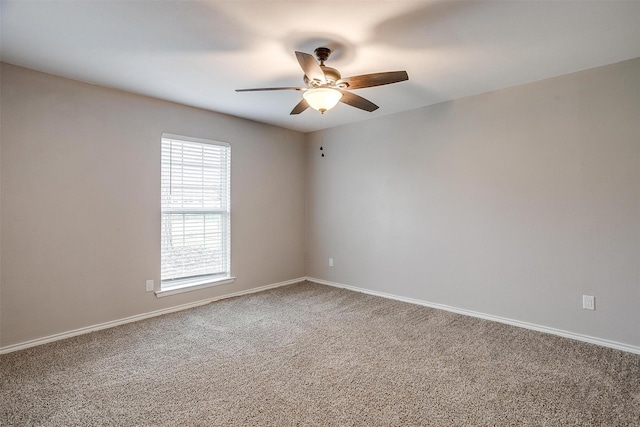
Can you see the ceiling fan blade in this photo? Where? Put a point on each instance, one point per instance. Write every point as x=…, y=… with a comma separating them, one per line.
x=268, y=88
x=310, y=67
x=300, y=107
x=375, y=79
x=357, y=101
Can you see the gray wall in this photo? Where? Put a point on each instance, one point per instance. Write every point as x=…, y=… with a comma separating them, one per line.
x=513, y=203
x=80, y=199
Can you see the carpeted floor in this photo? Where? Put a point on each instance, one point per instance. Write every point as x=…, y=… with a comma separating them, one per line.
x=308, y=354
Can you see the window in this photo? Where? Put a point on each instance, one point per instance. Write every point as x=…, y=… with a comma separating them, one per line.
x=195, y=193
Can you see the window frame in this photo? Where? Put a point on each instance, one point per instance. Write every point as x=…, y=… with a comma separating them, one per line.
x=186, y=284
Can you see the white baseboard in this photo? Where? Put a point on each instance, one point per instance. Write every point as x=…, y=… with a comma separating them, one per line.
x=512, y=322
x=137, y=317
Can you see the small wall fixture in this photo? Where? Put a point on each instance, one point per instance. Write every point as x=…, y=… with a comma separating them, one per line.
x=322, y=98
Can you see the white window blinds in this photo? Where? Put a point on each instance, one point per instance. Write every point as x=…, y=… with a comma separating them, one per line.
x=195, y=191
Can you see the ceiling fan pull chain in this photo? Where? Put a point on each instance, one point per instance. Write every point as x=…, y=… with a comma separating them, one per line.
x=321, y=132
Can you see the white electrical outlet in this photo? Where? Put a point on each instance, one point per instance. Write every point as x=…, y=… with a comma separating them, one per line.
x=150, y=285
x=588, y=302
x=330, y=262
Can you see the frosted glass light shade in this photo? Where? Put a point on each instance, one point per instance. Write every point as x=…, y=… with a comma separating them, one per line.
x=322, y=98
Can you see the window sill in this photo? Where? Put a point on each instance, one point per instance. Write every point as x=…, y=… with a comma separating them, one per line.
x=193, y=286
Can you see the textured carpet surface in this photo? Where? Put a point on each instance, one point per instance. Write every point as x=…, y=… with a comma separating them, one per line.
x=308, y=354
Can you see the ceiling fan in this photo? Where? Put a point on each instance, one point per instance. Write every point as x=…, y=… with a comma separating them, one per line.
x=325, y=87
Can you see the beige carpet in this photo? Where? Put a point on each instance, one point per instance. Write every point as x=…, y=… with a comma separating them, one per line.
x=308, y=354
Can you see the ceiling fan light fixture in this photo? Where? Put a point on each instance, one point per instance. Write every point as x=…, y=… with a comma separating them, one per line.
x=322, y=98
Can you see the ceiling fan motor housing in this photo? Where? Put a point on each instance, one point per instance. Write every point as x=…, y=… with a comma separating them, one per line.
x=330, y=74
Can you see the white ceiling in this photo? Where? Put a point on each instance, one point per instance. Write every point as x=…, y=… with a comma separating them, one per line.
x=198, y=52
